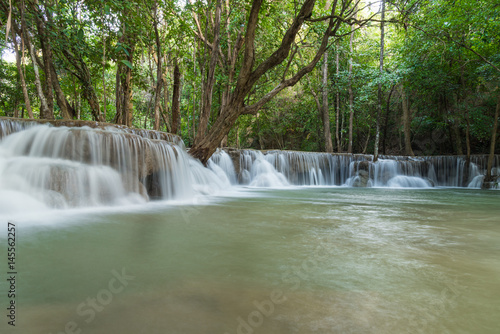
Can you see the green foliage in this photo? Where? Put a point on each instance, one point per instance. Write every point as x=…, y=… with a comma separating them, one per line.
x=444, y=53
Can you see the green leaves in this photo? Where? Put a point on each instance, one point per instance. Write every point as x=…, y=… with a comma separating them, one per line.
x=126, y=62
x=120, y=47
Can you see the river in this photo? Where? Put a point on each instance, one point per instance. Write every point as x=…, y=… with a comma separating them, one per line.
x=295, y=260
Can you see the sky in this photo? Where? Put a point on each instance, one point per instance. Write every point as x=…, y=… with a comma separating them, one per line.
x=8, y=55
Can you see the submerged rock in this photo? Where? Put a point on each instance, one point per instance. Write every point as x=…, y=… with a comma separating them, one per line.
x=361, y=179
x=491, y=183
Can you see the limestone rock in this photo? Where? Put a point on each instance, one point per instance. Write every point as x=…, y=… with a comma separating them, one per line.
x=361, y=179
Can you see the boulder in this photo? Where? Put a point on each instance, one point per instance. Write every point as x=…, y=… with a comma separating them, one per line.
x=361, y=179
x=491, y=182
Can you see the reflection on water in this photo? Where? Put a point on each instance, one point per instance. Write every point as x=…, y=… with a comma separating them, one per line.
x=323, y=260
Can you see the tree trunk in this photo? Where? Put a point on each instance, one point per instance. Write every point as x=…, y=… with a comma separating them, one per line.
x=351, y=94
x=324, y=110
x=249, y=75
x=78, y=106
x=387, y=112
x=467, y=134
x=337, y=100
x=118, y=96
x=193, y=118
x=320, y=117
x=406, y=123
x=104, y=96
x=209, y=83
x=27, y=102
x=204, y=149
x=85, y=78
x=456, y=134
x=176, y=94
x=491, y=157
x=467, y=144
x=67, y=112
x=47, y=62
x=159, y=76
x=126, y=98
x=44, y=109
x=165, y=97
x=124, y=108
x=381, y=70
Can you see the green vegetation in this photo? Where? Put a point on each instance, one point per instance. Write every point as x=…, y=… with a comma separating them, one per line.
x=251, y=74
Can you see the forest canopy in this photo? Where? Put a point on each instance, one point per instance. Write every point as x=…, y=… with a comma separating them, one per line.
x=385, y=77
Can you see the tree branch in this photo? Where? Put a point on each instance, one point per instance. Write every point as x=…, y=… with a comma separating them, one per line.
x=332, y=26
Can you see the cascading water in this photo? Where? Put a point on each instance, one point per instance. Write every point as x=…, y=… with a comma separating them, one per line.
x=222, y=165
x=45, y=166
x=60, y=167
x=281, y=168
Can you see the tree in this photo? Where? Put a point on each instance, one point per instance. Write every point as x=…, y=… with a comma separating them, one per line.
x=250, y=73
x=351, y=94
x=22, y=79
x=324, y=110
x=159, y=73
x=381, y=69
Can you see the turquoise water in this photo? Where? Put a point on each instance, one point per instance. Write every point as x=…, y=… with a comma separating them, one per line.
x=303, y=260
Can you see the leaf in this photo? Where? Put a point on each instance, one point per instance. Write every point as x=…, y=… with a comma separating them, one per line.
x=119, y=46
x=80, y=34
x=126, y=62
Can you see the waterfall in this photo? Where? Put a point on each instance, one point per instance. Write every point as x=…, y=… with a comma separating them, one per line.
x=50, y=165
x=222, y=165
x=43, y=166
x=282, y=168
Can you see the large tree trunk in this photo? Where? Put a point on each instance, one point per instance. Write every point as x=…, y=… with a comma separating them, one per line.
x=27, y=102
x=176, y=94
x=381, y=70
x=205, y=148
x=249, y=74
x=324, y=110
x=406, y=123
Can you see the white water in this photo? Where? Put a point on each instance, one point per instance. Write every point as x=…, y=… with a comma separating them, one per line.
x=284, y=168
x=43, y=167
